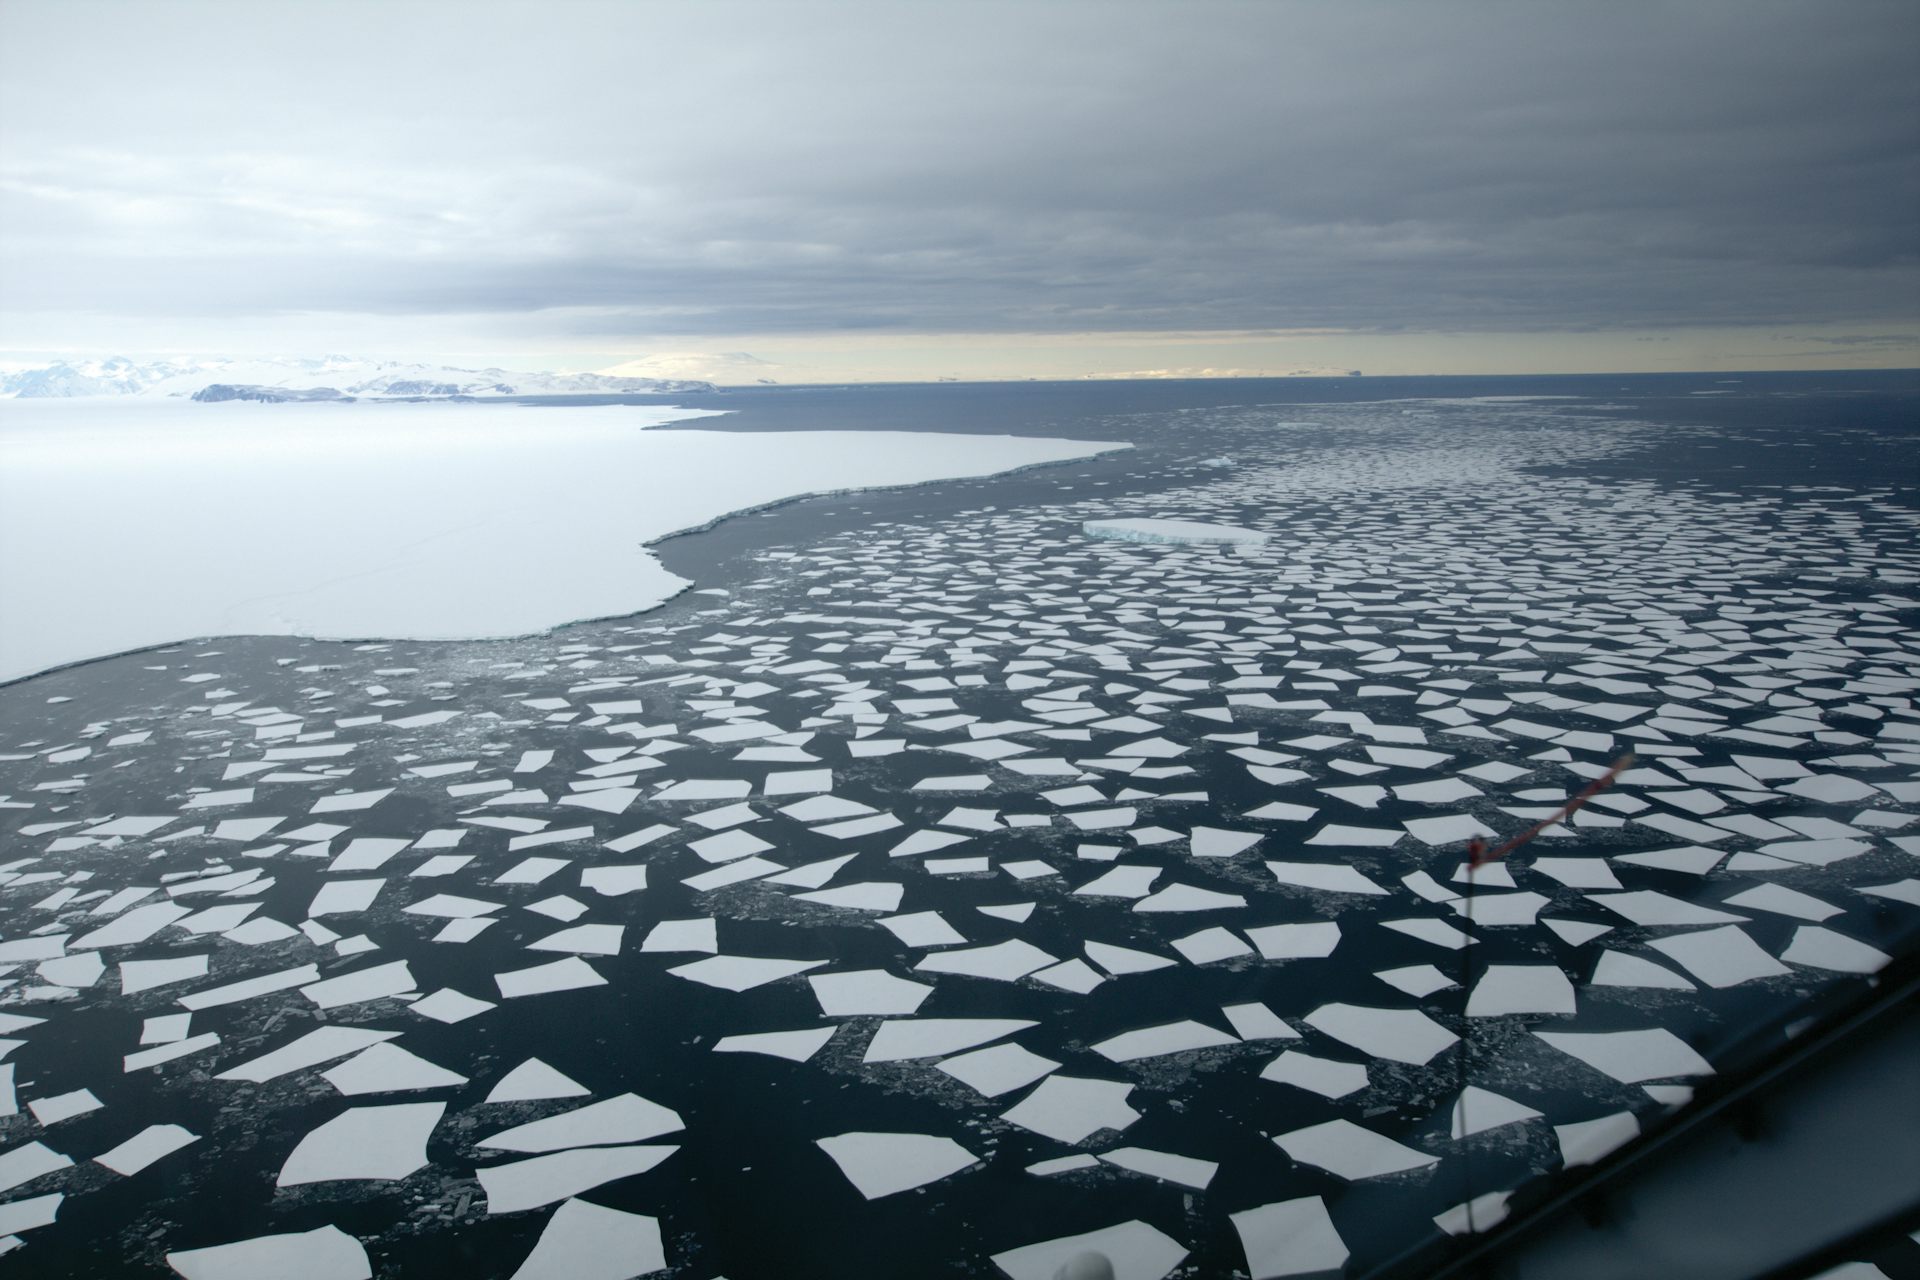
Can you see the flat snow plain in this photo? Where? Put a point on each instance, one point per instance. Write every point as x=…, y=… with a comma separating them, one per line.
x=126, y=523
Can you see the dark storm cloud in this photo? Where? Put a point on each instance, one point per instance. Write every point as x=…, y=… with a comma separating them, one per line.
x=963, y=167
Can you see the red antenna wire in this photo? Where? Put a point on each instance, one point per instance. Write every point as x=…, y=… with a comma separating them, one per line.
x=1479, y=855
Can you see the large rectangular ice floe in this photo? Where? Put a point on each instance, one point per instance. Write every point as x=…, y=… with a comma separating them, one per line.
x=1189, y=533
x=326, y=1253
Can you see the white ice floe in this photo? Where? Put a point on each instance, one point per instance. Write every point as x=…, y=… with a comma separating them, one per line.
x=1136, y=1251
x=1586, y=1141
x=570, y=974
x=1720, y=957
x=143, y=975
x=903, y=1038
x=1324, y=1076
x=923, y=929
x=541, y=1180
x=1417, y=980
x=1296, y=941
x=622, y=1119
x=449, y=1006
x=1215, y=842
x=1006, y=961
x=1520, y=988
x=997, y=1070
x=166, y=1027
x=29, y=1161
x=64, y=1106
x=860, y=992
x=1650, y=907
x=1179, y=532
x=1780, y=900
x=1121, y=882
x=1821, y=948
x=534, y=1081
x=741, y=973
x=1620, y=969
x=1072, y=1109
x=1124, y=960
x=136, y=925
x=1577, y=933
x=360, y=986
x=1289, y=1238
x=17, y=1216
x=1631, y=1057
x=1073, y=975
x=794, y=1046
x=1211, y=945
x=344, y=897
x=323, y=1044
x=1181, y=1170
x=614, y=881
x=1186, y=897
x=1477, y=1110
x=249, y=988
x=1173, y=1037
x=583, y=939
x=387, y=1068
x=859, y=897
x=153, y=1143
x=883, y=1164
x=1488, y=1209
x=364, y=1144
x=325, y=1253
x=1329, y=877
x=1348, y=1151
x=682, y=936
x=1255, y=1021
x=584, y=1241
x=1403, y=1035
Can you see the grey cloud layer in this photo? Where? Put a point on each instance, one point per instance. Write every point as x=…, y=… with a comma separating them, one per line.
x=723, y=168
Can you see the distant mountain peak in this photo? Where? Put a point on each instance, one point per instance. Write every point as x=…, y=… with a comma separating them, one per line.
x=345, y=376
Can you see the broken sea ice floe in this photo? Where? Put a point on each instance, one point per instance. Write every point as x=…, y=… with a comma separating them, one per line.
x=144, y=1148
x=534, y=1081
x=1346, y=1150
x=364, y=1143
x=1179, y=532
x=903, y=1038
x=1290, y=1238
x=1070, y=1109
x=1323, y=1076
x=325, y=1253
x=1000, y=1069
x=1135, y=1250
x=584, y=1241
x=529, y=1184
x=882, y=1164
x=624, y=1119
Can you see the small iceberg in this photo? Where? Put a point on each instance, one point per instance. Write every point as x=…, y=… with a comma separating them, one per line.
x=1183, y=532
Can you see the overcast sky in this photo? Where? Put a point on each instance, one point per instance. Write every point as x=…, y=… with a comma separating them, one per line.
x=916, y=185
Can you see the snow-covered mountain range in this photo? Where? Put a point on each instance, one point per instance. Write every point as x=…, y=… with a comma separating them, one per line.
x=349, y=376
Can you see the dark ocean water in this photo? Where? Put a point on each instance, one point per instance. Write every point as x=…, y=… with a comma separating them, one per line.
x=1804, y=428
x=1409, y=487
